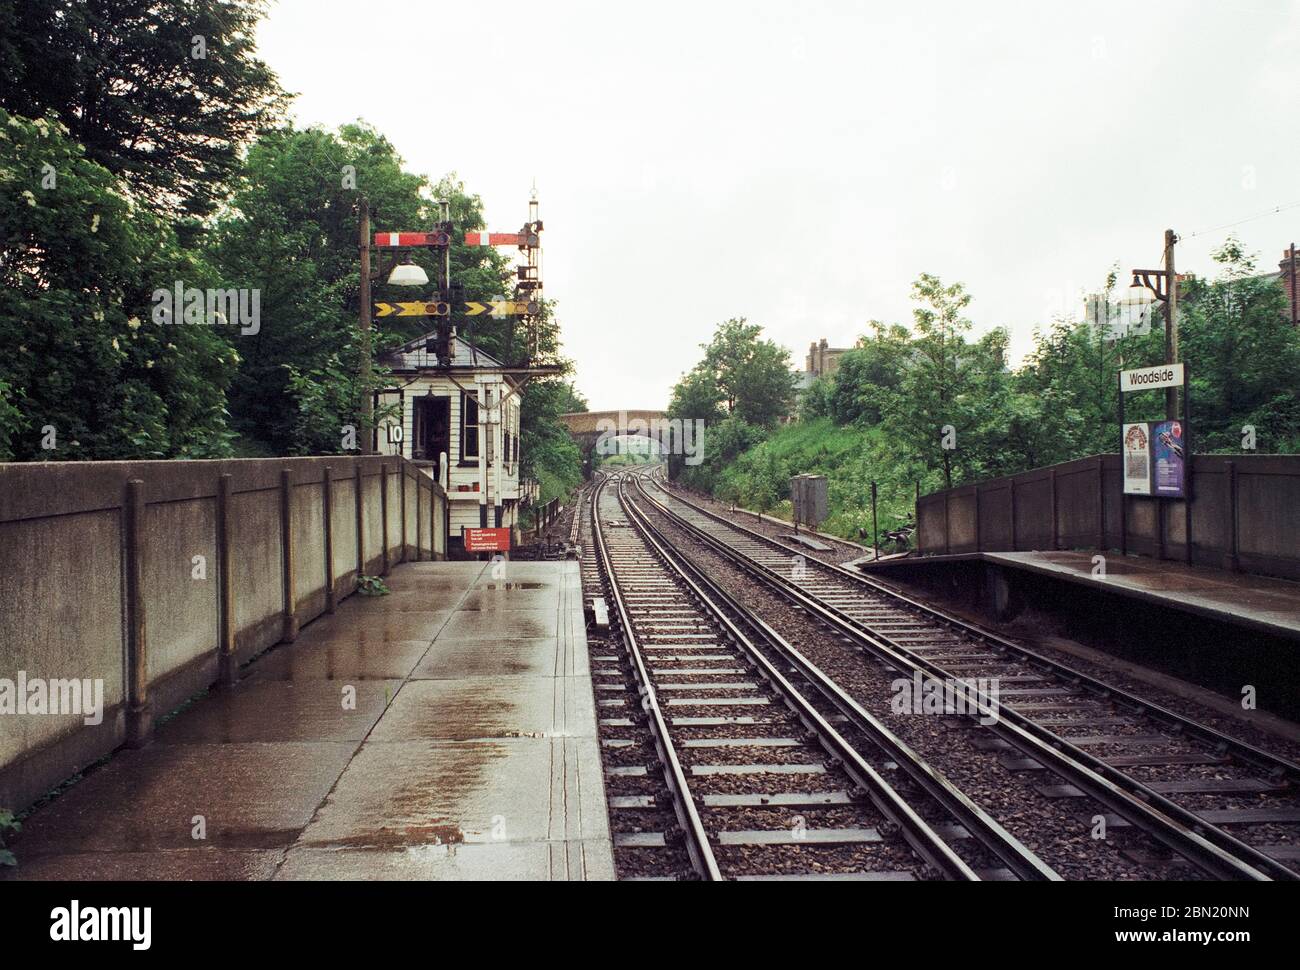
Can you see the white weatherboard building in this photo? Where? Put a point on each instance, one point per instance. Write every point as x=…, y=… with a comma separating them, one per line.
x=460, y=424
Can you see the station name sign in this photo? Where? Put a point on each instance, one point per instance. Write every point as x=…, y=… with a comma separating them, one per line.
x=1150, y=378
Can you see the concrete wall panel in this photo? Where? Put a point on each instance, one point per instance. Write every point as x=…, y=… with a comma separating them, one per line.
x=373, y=524
x=1268, y=514
x=344, y=520
x=258, y=584
x=308, y=521
x=961, y=521
x=412, y=495
x=394, y=515
x=61, y=590
x=1077, y=507
x=181, y=611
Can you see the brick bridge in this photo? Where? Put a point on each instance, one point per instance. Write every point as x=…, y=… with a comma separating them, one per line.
x=586, y=427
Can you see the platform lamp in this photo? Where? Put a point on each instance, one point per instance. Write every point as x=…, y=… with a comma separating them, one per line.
x=408, y=274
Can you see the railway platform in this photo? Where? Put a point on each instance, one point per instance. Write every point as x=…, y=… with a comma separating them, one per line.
x=1213, y=628
x=1259, y=603
x=444, y=731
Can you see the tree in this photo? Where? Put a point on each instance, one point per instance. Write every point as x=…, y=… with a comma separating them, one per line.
x=815, y=399
x=89, y=372
x=867, y=378
x=742, y=385
x=1242, y=354
x=753, y=376
x=291, y=232
x=163, y=93
x=936, y=408
x=547, y=453
x=696, y=396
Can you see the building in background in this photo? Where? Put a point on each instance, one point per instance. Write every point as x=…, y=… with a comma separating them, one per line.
x=822, y=359
x=1287, y=279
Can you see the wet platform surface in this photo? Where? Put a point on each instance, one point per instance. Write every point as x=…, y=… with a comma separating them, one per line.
x=446, y=731
x=1257, y=602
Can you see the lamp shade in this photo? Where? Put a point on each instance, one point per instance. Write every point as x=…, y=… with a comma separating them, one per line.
x=408, y=274
x=1139, y=295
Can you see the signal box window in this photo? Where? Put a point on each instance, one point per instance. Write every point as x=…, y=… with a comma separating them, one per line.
x=468, y=426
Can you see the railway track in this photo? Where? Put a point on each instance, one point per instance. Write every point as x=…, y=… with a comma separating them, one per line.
x=582, y=538
x=769, y=771
x=1227, y=807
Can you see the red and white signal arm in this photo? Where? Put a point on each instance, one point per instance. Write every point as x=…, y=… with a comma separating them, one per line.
x=401, y=240
x=493, y=238
x=487, y=540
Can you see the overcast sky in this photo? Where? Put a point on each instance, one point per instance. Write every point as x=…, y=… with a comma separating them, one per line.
x=801, y=163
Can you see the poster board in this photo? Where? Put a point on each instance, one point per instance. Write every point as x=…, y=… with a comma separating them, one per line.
x=1135, y=457
x=1168, y=459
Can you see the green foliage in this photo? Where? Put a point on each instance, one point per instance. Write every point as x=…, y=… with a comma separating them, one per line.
x=10, y=421
x=372, y=586
x=944, y=395
x=850, y=456
x=741, y=376
x=765, y=483
x=325, y=398
x=8, y=826
x=1244, y=363
x=697, y=396
x=724, y=442
x=815, y=399
x=632, y=450
x=881, y=417
x=547, y=453
x=742, y=386
x=291, y=231
x=155, y=162
x=84, y=355
x=124, y=78
x=753, y=376
x=627, y=458
x=868, y=378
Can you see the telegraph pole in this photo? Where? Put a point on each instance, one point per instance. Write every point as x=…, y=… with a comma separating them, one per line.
x=367, y=403
x=1171, y=321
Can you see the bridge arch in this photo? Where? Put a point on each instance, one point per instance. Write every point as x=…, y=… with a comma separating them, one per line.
x=587, y=427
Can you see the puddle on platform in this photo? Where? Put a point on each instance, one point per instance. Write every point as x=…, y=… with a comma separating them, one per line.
x=434, y=834
x=512, y=586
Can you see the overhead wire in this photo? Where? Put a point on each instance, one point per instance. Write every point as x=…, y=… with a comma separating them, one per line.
x=1259, y=215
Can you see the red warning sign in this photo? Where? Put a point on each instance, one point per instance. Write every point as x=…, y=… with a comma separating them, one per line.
x=487, y=540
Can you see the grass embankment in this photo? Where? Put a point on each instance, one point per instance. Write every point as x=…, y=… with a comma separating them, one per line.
x=850, y=457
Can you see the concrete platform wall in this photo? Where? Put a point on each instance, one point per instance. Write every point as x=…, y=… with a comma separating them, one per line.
x=118, y=572
x=1245, y=514
x=1195, y=647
